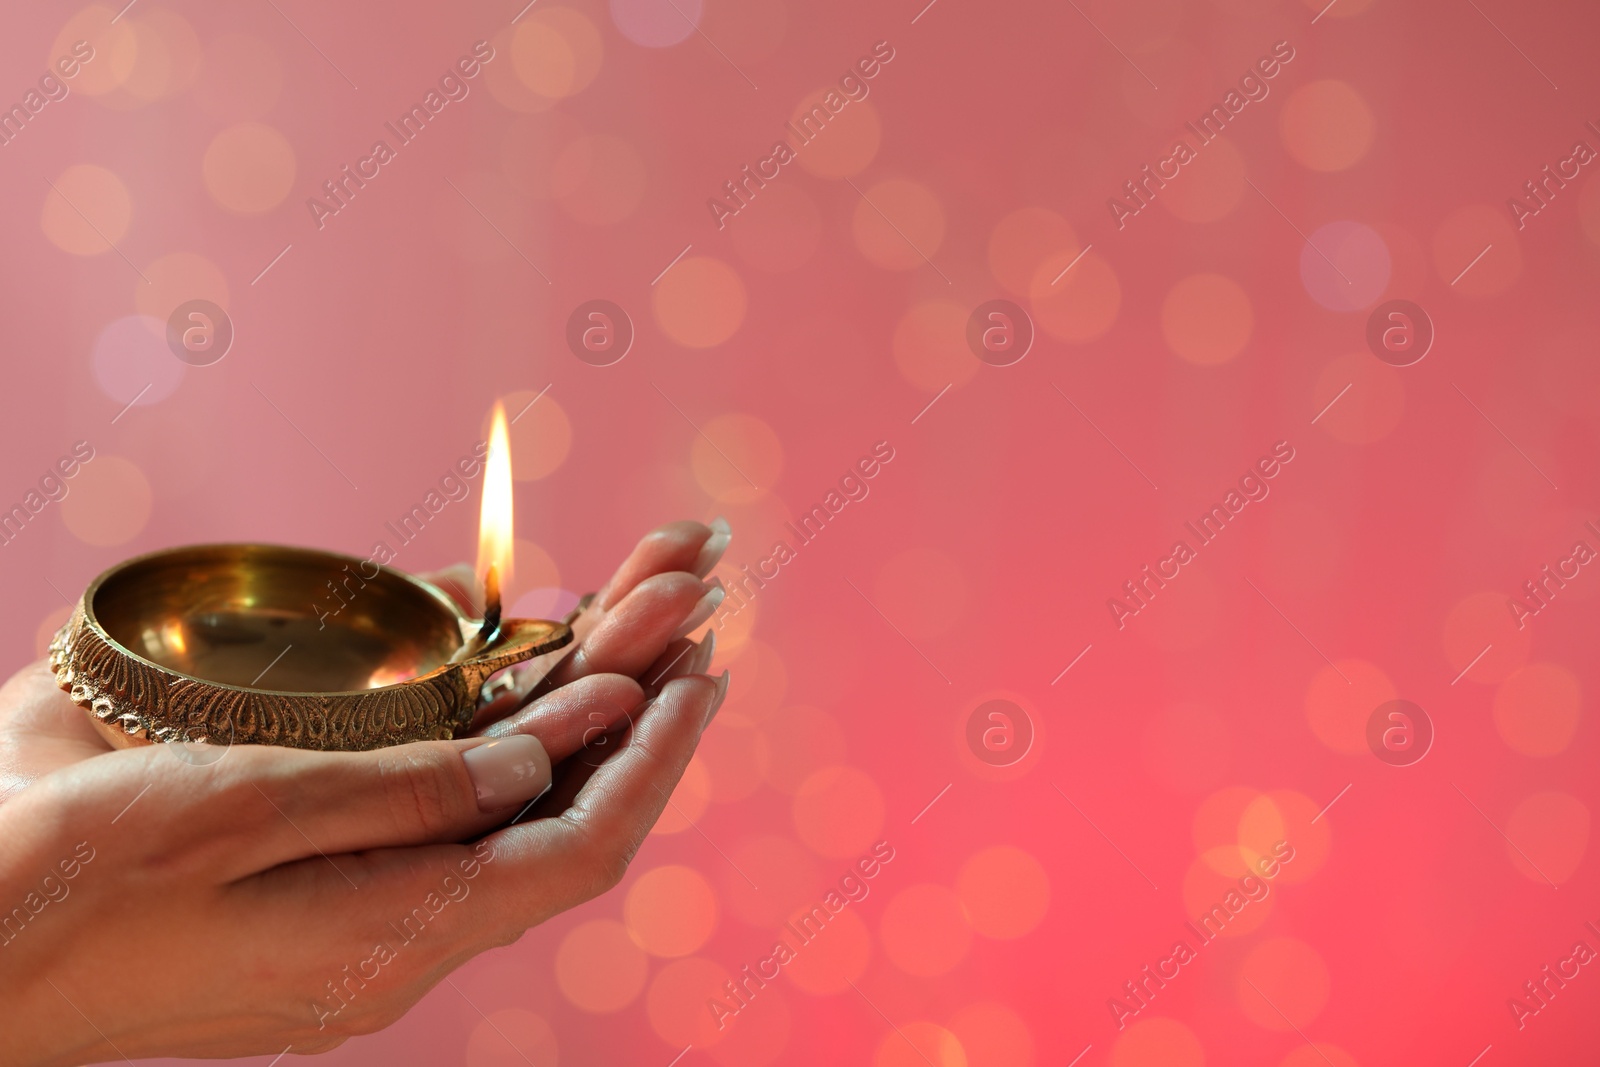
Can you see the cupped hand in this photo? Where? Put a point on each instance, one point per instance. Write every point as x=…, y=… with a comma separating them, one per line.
x=635, y=625
x=195, y=901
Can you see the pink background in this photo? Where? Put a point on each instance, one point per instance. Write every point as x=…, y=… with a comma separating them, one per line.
x=1219, y=719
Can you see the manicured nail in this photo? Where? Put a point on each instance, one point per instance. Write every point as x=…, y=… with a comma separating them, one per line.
x=715, y=546
x=697, y=659
x=702, y=609
x=692, y=660
x=703, y=654
x=717, y=698
x=508, y=771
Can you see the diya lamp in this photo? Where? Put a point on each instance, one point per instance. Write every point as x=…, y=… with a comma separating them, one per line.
x=224, y=643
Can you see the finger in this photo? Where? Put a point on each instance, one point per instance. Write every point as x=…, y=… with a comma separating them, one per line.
x=682, y=658
x=567, y=718
x=512, y=688
x=680, y=547
x=638, y=629
x=585, y=850
x=677, y=546
x=562, y=723
x=571, y=775
x=283, y=804
x=420, y=785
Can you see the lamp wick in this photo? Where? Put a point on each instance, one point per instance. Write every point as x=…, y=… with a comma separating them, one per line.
x=491, y=612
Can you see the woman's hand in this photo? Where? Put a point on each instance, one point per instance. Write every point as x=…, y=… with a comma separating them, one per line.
x=195, y=901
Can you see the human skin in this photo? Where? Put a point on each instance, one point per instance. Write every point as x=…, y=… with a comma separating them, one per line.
x=224, y=893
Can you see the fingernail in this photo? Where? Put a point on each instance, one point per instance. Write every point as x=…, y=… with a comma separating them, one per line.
x=692, y=660
x=717, y=699
x=702, y=656
x=508, y=771
x=698, y=657
x=715, y=546
x=703, y=608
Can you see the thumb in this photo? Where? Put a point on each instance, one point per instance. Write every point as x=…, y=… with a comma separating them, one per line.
x=252, y=807
x=301, y=803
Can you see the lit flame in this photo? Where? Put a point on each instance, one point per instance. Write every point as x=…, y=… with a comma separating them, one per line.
x=494, y=519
